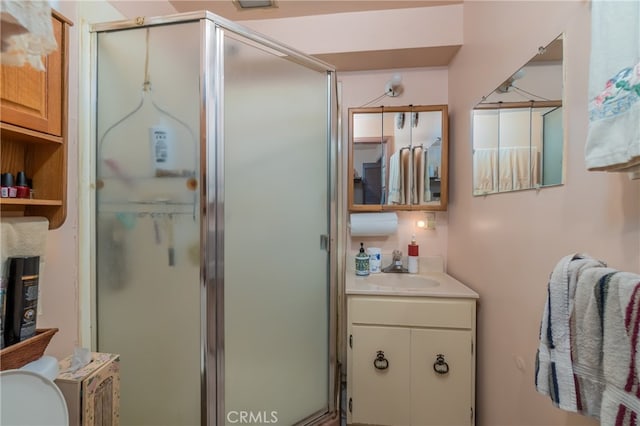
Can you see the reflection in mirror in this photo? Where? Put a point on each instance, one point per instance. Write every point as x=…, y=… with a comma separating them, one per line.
x=397, y=158
x=370, y=159
x=518, y=128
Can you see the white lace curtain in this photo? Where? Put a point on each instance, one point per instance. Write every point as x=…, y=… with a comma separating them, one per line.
x=27, y=32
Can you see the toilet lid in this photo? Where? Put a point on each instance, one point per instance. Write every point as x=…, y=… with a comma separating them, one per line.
x=29, y=399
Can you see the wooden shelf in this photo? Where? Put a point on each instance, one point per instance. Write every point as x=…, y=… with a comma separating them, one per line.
x=29, y=202
x=21, y=134
x=33, y=130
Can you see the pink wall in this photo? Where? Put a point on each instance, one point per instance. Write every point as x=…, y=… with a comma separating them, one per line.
x=59, y=290
x=504, y=246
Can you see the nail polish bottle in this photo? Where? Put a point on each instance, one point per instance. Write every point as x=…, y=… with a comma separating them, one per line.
x=4, y=185
x=22, y=187
x=8, y=187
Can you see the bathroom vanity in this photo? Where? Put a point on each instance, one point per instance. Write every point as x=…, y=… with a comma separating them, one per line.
x=411, y=348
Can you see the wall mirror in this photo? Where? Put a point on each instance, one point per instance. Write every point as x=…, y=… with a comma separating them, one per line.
x=518, y=131
x=398, y=158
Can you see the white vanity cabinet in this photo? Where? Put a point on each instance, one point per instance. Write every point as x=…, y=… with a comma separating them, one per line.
x=411, y=360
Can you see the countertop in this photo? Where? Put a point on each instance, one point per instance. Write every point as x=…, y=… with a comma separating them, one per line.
x=431, y=281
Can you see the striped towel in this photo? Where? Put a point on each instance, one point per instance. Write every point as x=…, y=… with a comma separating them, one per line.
x=589, y=352
x=621, y=397
x=587, y=325
x=554, y=367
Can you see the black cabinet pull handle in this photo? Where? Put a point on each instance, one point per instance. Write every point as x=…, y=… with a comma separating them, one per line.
x=381, y=363
x=440, y=366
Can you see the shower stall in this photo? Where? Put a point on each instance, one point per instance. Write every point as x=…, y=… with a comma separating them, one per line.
x=215, y=219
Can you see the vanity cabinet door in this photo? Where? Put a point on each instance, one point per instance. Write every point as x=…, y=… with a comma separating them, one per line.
x=380, y=362
x=441, y=397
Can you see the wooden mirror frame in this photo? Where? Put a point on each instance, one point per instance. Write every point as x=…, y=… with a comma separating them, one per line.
x=444, y=159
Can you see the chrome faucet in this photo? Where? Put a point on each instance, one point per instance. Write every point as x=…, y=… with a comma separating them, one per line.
x=396, y=264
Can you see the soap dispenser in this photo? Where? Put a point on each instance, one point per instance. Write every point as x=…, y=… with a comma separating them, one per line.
x=362, y=262
x=412, y=262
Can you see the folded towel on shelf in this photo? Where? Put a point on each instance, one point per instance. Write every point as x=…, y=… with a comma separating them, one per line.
x=554, y=366
x=621, y=397
x=613, y=139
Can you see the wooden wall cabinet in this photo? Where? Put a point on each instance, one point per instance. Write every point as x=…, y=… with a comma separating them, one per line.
x=410, y=361
x=398, y=158
x=33, y=130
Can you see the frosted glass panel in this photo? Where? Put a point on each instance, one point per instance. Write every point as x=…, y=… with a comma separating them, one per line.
x=275, y=273
x=147, y=224
x=552, y=147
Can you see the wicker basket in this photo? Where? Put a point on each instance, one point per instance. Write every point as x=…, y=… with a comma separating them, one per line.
x=19, y=354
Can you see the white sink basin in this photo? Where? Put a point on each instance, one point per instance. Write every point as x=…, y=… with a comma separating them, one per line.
x=402, y=281
x=432, y=281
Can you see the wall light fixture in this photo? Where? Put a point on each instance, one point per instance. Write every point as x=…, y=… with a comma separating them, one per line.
x=506, y=86
x=428, y=223
x=393, y=87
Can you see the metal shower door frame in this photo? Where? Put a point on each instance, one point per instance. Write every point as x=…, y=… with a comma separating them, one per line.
x=211, y=139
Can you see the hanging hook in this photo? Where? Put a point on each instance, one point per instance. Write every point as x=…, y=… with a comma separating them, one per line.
x=146, y=86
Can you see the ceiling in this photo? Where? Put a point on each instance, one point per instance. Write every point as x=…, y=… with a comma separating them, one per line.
x=292, y=8
x=344, y=61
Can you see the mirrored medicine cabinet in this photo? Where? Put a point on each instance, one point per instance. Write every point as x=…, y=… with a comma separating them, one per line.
x=398, y=158
x=518, y=130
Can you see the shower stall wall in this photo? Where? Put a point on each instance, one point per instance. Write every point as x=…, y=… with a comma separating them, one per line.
x=214, y=215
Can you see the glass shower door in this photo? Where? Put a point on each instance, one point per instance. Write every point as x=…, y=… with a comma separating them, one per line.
x=148, y=221
x=215, y=293
x=276, y=208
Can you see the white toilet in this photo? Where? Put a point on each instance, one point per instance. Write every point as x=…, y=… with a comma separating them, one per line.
x=28, y=396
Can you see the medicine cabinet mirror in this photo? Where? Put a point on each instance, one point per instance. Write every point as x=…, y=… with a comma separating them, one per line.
x=398, y=158
x=518, y=131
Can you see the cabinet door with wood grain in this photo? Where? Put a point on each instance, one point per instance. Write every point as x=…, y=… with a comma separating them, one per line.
x=32, y=99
